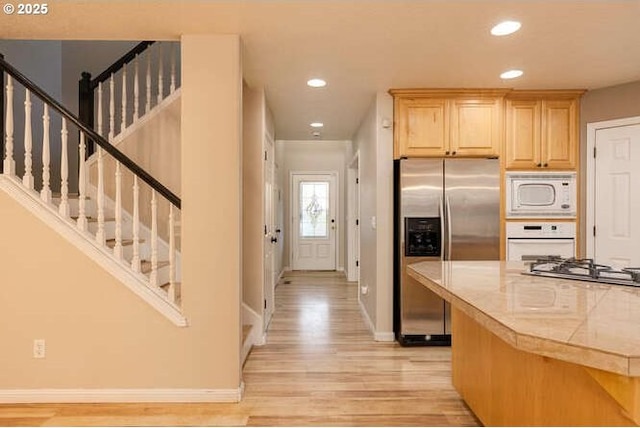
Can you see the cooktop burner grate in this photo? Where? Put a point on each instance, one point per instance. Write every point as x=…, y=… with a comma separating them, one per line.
x=583, y=270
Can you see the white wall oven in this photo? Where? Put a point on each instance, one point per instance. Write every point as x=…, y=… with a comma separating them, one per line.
x=528, y=241
x=541, y=194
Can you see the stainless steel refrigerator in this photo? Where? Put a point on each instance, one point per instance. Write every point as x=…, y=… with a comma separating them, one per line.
x=445, y=209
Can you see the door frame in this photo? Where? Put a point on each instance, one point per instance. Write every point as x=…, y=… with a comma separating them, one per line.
x=353, y=215
x=336, y=199
x=269, y=284
x=592, y=128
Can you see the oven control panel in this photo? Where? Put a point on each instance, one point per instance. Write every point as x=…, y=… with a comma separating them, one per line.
x=566, y=229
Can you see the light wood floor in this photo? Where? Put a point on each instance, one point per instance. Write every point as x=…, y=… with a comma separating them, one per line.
x=319, y=367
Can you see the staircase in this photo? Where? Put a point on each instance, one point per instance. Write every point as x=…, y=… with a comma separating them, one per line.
x=124, y=218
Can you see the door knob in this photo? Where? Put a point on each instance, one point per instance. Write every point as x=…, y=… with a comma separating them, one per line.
x=274, y=239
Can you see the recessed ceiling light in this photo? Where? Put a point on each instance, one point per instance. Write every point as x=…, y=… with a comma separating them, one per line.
x=317, y=83
x=511, y=74
x=317, y=124
x=506, y=27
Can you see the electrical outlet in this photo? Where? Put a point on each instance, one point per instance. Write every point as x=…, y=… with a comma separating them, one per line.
x=39, y=348
x=364, y=289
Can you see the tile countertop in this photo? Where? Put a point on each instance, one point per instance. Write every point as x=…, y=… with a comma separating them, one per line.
x=594, y=325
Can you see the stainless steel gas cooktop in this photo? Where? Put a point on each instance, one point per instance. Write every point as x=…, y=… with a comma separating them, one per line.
x=583, y=270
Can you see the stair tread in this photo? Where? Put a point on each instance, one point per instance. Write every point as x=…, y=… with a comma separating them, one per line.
x=166, y=285
x=125, y=242
x=145, y=265
x=91, y=219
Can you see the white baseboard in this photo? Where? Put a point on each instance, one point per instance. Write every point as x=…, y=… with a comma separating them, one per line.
x=121, y=395
x=256, y=336
x=384, y=336
x=367, y=320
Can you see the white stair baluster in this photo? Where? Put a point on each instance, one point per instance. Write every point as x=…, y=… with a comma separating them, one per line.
x=100, y=109
x=136, y=90
x=27, y=178
x=153, y=278
x=117, y=249
x=135, y=261
x=172, y=88
x=9, y=162
x=147, y=106
x=160, y=74
x=112, y=109
x=123, y=122
x=100, y=197
x=172, y=256
x=64, y=172
x=82, y=154
x=45, y=193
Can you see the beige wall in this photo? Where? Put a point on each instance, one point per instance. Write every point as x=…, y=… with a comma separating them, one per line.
x=252, y=198
x=384, y=189
x=614, y=102
x=211, y=195
x=313, y=156
x=375, y=147
x=99, y=334
x=364, y=142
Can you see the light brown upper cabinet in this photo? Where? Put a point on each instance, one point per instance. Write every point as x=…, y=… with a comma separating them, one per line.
x=542, y=129
x=447, y=122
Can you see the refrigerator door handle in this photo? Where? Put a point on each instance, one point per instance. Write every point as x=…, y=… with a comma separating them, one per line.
x=448, y=226
x=442, y=240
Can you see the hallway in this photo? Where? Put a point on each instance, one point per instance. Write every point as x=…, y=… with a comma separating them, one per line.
x=321, y=366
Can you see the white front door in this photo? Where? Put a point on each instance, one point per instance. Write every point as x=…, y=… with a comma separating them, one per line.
x=617, y=196
x=314, y=221
x=270, y=234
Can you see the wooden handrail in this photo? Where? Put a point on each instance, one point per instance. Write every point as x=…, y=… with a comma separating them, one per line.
x=90, y=133
x=125, y=59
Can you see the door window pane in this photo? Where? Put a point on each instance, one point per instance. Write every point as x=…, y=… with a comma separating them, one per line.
x=314, y=203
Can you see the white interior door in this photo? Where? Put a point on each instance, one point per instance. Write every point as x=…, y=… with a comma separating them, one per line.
x=617, y=199
x=314, y=221
x=270, y=235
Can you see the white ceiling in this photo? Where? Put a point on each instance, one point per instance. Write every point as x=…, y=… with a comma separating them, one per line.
x=361, y=47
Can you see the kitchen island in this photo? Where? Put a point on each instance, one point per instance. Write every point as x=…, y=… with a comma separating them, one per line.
x=539, y=351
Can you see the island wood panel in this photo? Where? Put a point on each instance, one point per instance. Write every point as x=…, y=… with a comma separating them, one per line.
x=505, y=386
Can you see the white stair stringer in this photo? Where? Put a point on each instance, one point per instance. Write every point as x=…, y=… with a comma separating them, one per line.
x=84, y=241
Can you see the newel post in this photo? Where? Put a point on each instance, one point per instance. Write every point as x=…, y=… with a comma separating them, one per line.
x=85, y=106
x=2, y=89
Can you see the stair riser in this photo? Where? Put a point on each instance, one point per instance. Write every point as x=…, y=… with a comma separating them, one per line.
x=110, y=229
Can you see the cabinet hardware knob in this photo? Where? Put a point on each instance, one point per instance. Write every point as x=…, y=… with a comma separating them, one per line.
x=453, y=153
x=545, y=165
x=539, y=165
x=446, y=153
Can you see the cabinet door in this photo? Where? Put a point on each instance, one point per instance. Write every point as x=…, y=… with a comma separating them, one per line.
x=476, y=127
x=559, y=133
x=422, y=127
x=522, y=146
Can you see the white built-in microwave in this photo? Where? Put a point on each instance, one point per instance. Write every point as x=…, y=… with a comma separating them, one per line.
x=541, y=194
